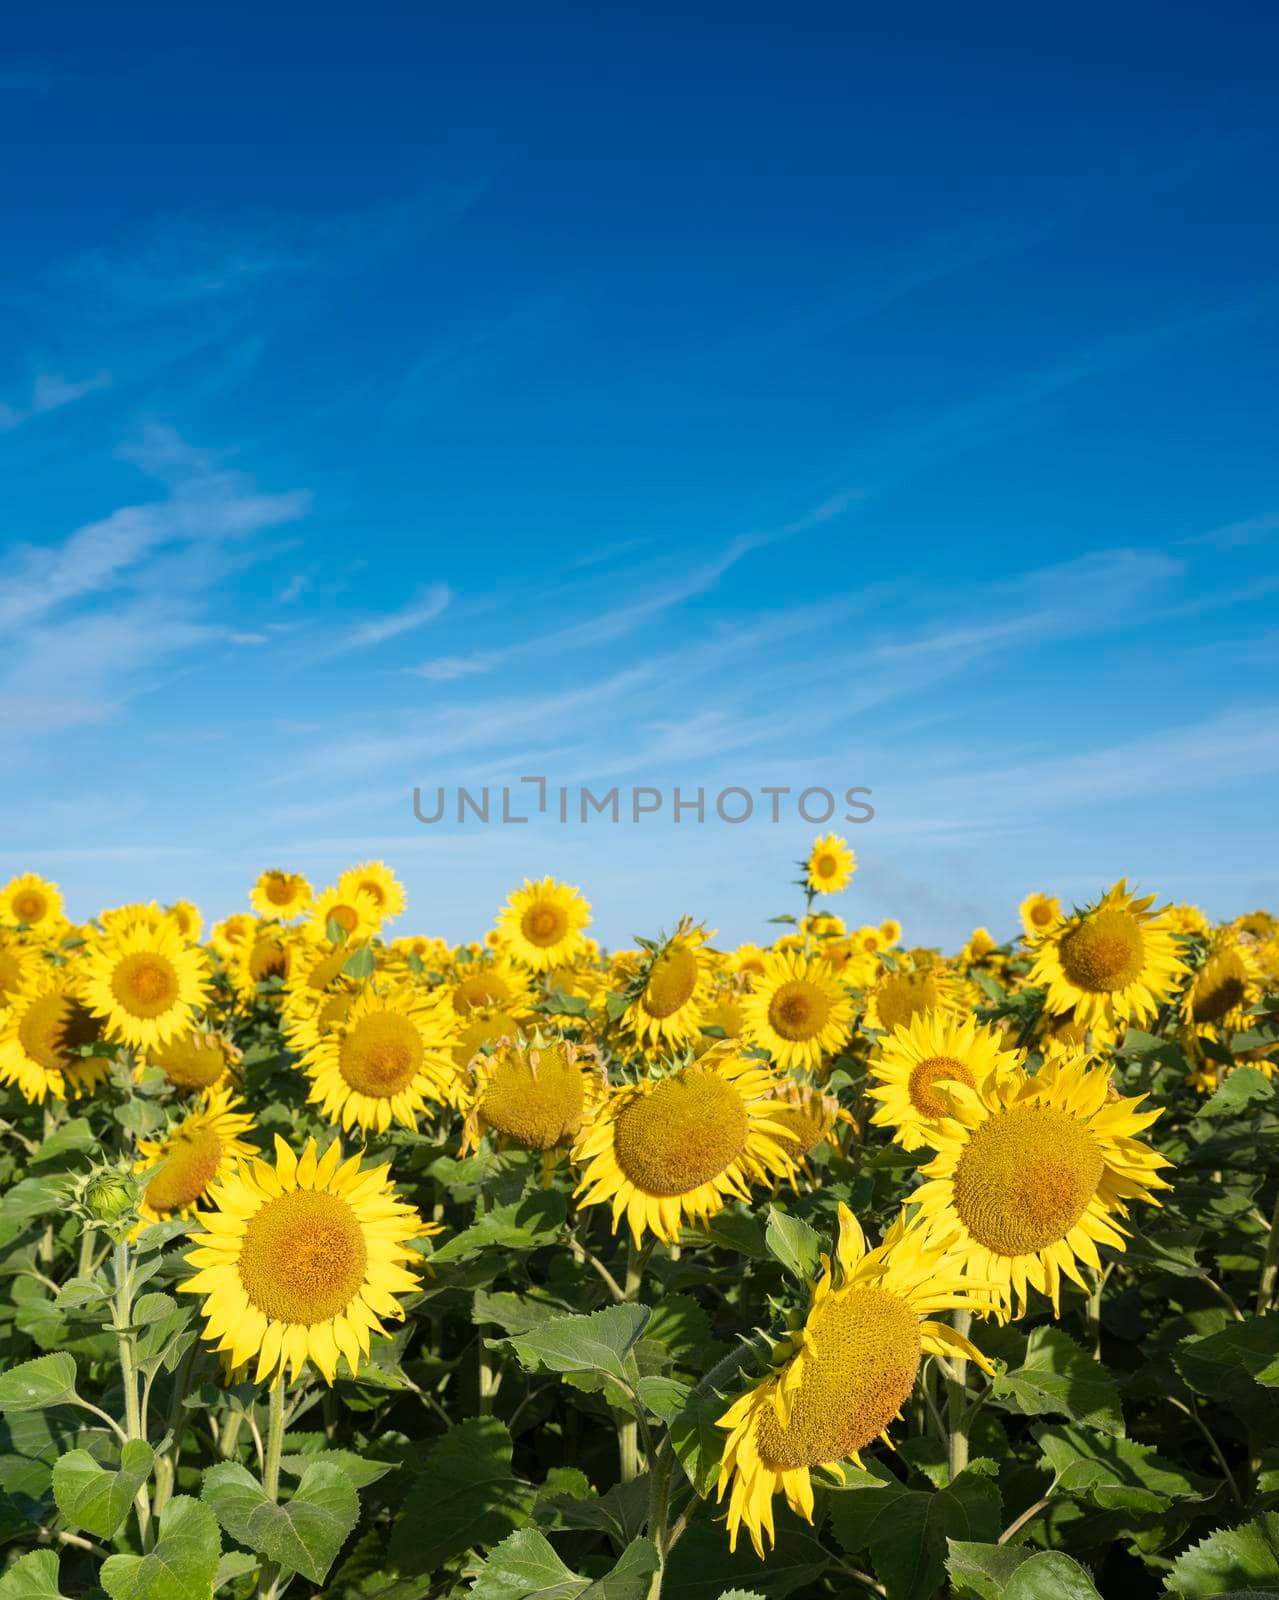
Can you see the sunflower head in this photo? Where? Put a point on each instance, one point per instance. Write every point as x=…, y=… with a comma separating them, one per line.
x=492, y=985
x=542, y=924
x=830, y=865
x=146, y=982
x=809, y=1116
x=177, y=1170
x=375, y=879
x=798, y=1010
x=533, y=1093
x=907, y=988
x=199, y=1059
x=343, y=917
x=1220, y=993
x=1039, y=913
x=43, y=1039
x=911, y=1067
x=31, y=903
x=670, y=993
x=280, y=896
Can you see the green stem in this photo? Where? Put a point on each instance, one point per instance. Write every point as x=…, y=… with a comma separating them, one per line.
x=269, y=1572
x=166, y=1468
x=126, y=1344
x=628, y=1430
x=1269, y=1266
x=956, y=1396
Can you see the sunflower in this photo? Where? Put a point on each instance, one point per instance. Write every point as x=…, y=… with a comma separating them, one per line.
x=269, y=954
x=675, y=1148
x=841, y=1377
x=671, y=992
x=533, y=1094
x=1116, y=961
x=1220, y=994
x=542, y=924
x=384, y=1059
x=283, y=895
x=200, y=1059
x=830, y=864
x=890, y=931
x=375, y=879
x=798, y=1010
x=18, y=964
x=911, y=986
x=186, y=916
x=147, y=983
x=980, y=944
x=482, y=1028
x=32, y=902
x=1031, y=1174
x=489, y=985
x=811, y=1118
x=42, y=1036
x=302, y=1260
x=227, y=936
x=318, y=991
x=202, y=1149
x=1039, y=913
x=933, y=1047
x=867, y=941
x=747, y=958
x=355, y=914
x=1188, y=919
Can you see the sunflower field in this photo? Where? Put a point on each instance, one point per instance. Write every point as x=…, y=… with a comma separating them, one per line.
x=361, y=1265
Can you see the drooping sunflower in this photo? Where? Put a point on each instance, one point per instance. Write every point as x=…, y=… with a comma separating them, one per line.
x=375, y=879
x=674, y=1149
x=1039, y=913
x=302, y=1260
x=283, y=895
x=200, y=1059
x=542, y=925
x=202, y=1149
x=1116, y=961
x=534, y=1094
x=830, y=864
x=1218, y=997
x=147, y=983
x=32, y=902
x=42, y=1036
x=672, y=992
x=356, y=913
x=933, y=1047
x=841, y=1376
x=797, y=1010
x=385, y=1059
x=811, y=1117
x=1031, y=1174
x=902, y=991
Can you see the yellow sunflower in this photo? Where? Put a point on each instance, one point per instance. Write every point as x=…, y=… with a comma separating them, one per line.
x=890, y=931
x=18, y=964
x=867, y=941
x=32, y=903
x=933, y=1047
x=356, y=913
x=1039, y=913
x=1031, y=1174
x=269, y=953
x=41, y=1039
x=902, y=991
x=375, y=879
x=841, y=1377
x=227, y=936
x=302, y=1260
x=1117, y=961
x=282, y=895
x=488, y=985
x=797, y=1010
x=673, y=992
x=830, y=864
x=318, y=990
x=747, y=958
x=1225, y=987
x=810, y=1117
x=676, y=1148
x=385, y=1058
x=533, y=1094
x=202, y=1149
x=200, y=1059
x=1187, y=919
x=146, y=982
x=980, y=944
x=186, y=915
x=542, y=924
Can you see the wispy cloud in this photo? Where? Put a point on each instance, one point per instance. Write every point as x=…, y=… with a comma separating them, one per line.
x=365, y=635
x=50, y=392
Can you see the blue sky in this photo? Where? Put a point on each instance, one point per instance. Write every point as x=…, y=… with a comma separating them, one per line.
x=710, y=395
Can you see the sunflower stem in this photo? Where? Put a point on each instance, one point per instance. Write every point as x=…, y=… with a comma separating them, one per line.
x=627, y=1430
x=1269, y=1266
x=269, y=1572
x=957, y=1401
x=126, y=1345
x=485, y=1377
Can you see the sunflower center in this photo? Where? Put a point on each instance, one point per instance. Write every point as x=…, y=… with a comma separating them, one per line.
x=303, y=1257
x=855, y=1381
x=373, y=889
x=1025, y=1179
x=145, y=983
x=195, y=1062
x=536, y=1100
x=1221, y=987
x=346, y=917
x=683, y=1133
x=672, y=980
x=279, y=888
x=901, y=995
x=1104, y=952
x=381, y=1055
x=189, y=1168
x=1041, y=914
x=30, y=906
x=543, y=924
x=804, y=1128
x=798, y=1010
x=827, y=866
x=480, y=990
x=269, y=958
x=42, y=1031
x=919, y=1086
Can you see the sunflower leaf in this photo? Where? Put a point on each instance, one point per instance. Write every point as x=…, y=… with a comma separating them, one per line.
x=797, y=1246
x=599, y=1342
x=1239, y=1560
x=181, y=1564
x=1115, y=1474
x=32, y=1577
x=1057, y=1376
x=46, y=1381
x=466, y=1495
x=305, y=1533
x=91, y=1497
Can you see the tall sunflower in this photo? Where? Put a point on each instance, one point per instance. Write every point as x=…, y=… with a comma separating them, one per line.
x=1031, y=1174
x=675, y=1148
x=830, y=864
x=384, y=1059
x=201, y=1150
x=375, y=879
x=542, y=925
x=32, y=902
x=1218, y=997
x=280, y=894
x=1039, y=913
x=355, y=912
x=672, y=991
x=797, y=1010
x=42, y=1036
x=534, y=1094
x=185, y=915
x=1115, y=962
x=147, y=983
x=841, y=1377
x=302, y=1260
x=933, y=1047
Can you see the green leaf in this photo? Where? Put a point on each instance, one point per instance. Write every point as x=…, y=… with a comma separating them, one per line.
x=359, y=1469
x=91, y=1497
x=905, y=1530
x=46, y=1381
x=34, y=1197
x=1115, y=1474
x=1057, y=1376
x=1244, y=1087
x=71, y=1139
x=525, y=1567
x=1212, y=1365
x=797, y=1246
x=1231, y=1559
x=664, y=1397
x=621, y=1513
x=334, y=931
x=465, y=1495
x=630, y=1579
x=701, y=1566
x=303, y=1534
x=1050, y=1575
x=360, y=964
x=524, y=1224
x=981, y=1571
x=599, y=1342
x=179, y=1567
x=32, y=1577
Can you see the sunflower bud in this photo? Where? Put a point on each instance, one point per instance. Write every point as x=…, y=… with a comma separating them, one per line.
x=110, y=1196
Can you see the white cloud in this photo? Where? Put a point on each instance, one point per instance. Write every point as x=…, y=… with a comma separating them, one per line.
x=50, y=391
x=379, y=630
